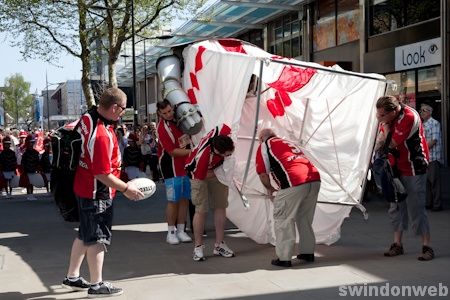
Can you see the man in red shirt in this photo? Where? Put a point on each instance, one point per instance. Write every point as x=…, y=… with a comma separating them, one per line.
x=409, y=154
x=209, y=154
x=96, y=182
x=174, y=147
x=296, y=195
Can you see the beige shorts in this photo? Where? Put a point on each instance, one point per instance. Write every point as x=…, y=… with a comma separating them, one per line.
x=208, y=193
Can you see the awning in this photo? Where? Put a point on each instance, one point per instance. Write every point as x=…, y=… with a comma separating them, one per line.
x=225, y=18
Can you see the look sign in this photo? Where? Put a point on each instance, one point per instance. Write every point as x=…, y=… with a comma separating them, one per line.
x=421, y=54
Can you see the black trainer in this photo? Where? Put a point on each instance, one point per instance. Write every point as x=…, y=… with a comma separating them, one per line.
x=281, y=263
x=77, y=285
x=105, y=289
x=306, y=257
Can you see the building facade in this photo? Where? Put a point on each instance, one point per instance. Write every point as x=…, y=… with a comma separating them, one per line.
x=63, y=104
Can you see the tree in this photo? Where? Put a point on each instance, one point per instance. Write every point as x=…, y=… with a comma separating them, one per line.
x=18, y=100
x=42, y=29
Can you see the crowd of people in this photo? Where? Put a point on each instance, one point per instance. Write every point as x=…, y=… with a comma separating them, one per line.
x=112, y=155
x=25, y=161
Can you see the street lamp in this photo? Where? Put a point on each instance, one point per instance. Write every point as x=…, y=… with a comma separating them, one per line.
x=47, y=84
x=133, y=53
x=48, y=106
x=143, y=39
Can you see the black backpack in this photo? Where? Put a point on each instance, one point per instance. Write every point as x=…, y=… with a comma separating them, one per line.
x=66, y=147
x=391, y=186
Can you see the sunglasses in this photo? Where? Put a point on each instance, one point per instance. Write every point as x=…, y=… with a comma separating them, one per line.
x=122, y=107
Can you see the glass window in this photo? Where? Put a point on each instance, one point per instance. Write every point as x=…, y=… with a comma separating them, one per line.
x=279, y=33
x=296, y=47
x=279, y=49
x=287, y=48
x=406, y=87
x=388, y=15
x=347, y=21
x=287, y=26
x=295, y=27
x=429, y=79
x=255, y=37
x=285, y=36
x=324, y=28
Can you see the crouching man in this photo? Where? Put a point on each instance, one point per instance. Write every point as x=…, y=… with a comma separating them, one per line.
x=295, y=201
x=209, y=154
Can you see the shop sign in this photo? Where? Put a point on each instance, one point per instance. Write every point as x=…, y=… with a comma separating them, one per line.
x=417, y=55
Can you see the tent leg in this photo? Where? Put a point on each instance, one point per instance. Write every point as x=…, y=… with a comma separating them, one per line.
x=241, y=192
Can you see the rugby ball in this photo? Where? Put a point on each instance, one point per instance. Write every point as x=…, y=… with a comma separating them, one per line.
x=145, y=185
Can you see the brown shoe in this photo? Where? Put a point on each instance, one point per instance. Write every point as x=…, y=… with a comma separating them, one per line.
x=427, y=254
x=394, y=250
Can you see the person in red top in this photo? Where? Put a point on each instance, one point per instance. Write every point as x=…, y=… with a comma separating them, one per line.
x=407, y=144
x=174, y=147
x=209, y=154
x=95, y=185
x=298, y=185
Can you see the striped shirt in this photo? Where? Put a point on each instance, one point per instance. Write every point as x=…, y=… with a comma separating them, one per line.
x=433, y=132
x=202, y=158
x=100, y=154
x=170, y=138
x=285, y=162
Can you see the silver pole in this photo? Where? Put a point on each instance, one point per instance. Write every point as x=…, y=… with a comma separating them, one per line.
x=445, y=69
x=244, y=199
x=48, y=106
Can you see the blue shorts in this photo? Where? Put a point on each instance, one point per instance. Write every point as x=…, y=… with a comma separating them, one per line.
x=177, y=188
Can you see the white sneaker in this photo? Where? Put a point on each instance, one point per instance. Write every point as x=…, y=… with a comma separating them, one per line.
x=223, y=250
x=198, y=253
x=172, y=239
x=183, y=237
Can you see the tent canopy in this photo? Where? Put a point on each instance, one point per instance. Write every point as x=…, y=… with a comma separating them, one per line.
x=329, y=113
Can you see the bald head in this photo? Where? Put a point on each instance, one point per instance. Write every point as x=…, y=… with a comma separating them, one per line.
x=266, y=133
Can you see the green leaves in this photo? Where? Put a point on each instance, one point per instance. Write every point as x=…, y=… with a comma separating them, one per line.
x=18, y=100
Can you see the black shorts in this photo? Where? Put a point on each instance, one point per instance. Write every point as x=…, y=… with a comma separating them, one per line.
x=95, y=221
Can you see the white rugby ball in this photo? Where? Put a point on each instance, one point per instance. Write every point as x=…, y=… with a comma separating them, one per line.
x=145, y=185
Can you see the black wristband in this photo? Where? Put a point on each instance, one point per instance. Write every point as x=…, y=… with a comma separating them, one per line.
x=125, y=190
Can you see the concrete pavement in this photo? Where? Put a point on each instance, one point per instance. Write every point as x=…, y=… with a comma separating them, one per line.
x=35, y=245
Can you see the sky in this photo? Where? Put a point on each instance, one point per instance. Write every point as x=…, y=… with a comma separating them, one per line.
x=33, y=71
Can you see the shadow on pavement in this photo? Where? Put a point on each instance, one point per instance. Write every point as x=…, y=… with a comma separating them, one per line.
x=35, y=232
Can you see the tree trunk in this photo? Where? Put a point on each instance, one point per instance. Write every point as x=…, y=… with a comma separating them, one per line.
x=85, y=55
x=87, y=88
x=112, y=72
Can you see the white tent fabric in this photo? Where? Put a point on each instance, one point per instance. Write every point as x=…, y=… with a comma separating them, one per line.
x=330, y=116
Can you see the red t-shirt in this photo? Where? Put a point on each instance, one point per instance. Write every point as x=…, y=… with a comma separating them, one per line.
x=170, y=138
x=407, y=132
x=286, y=162
x=99, y=155
x=202, y=158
